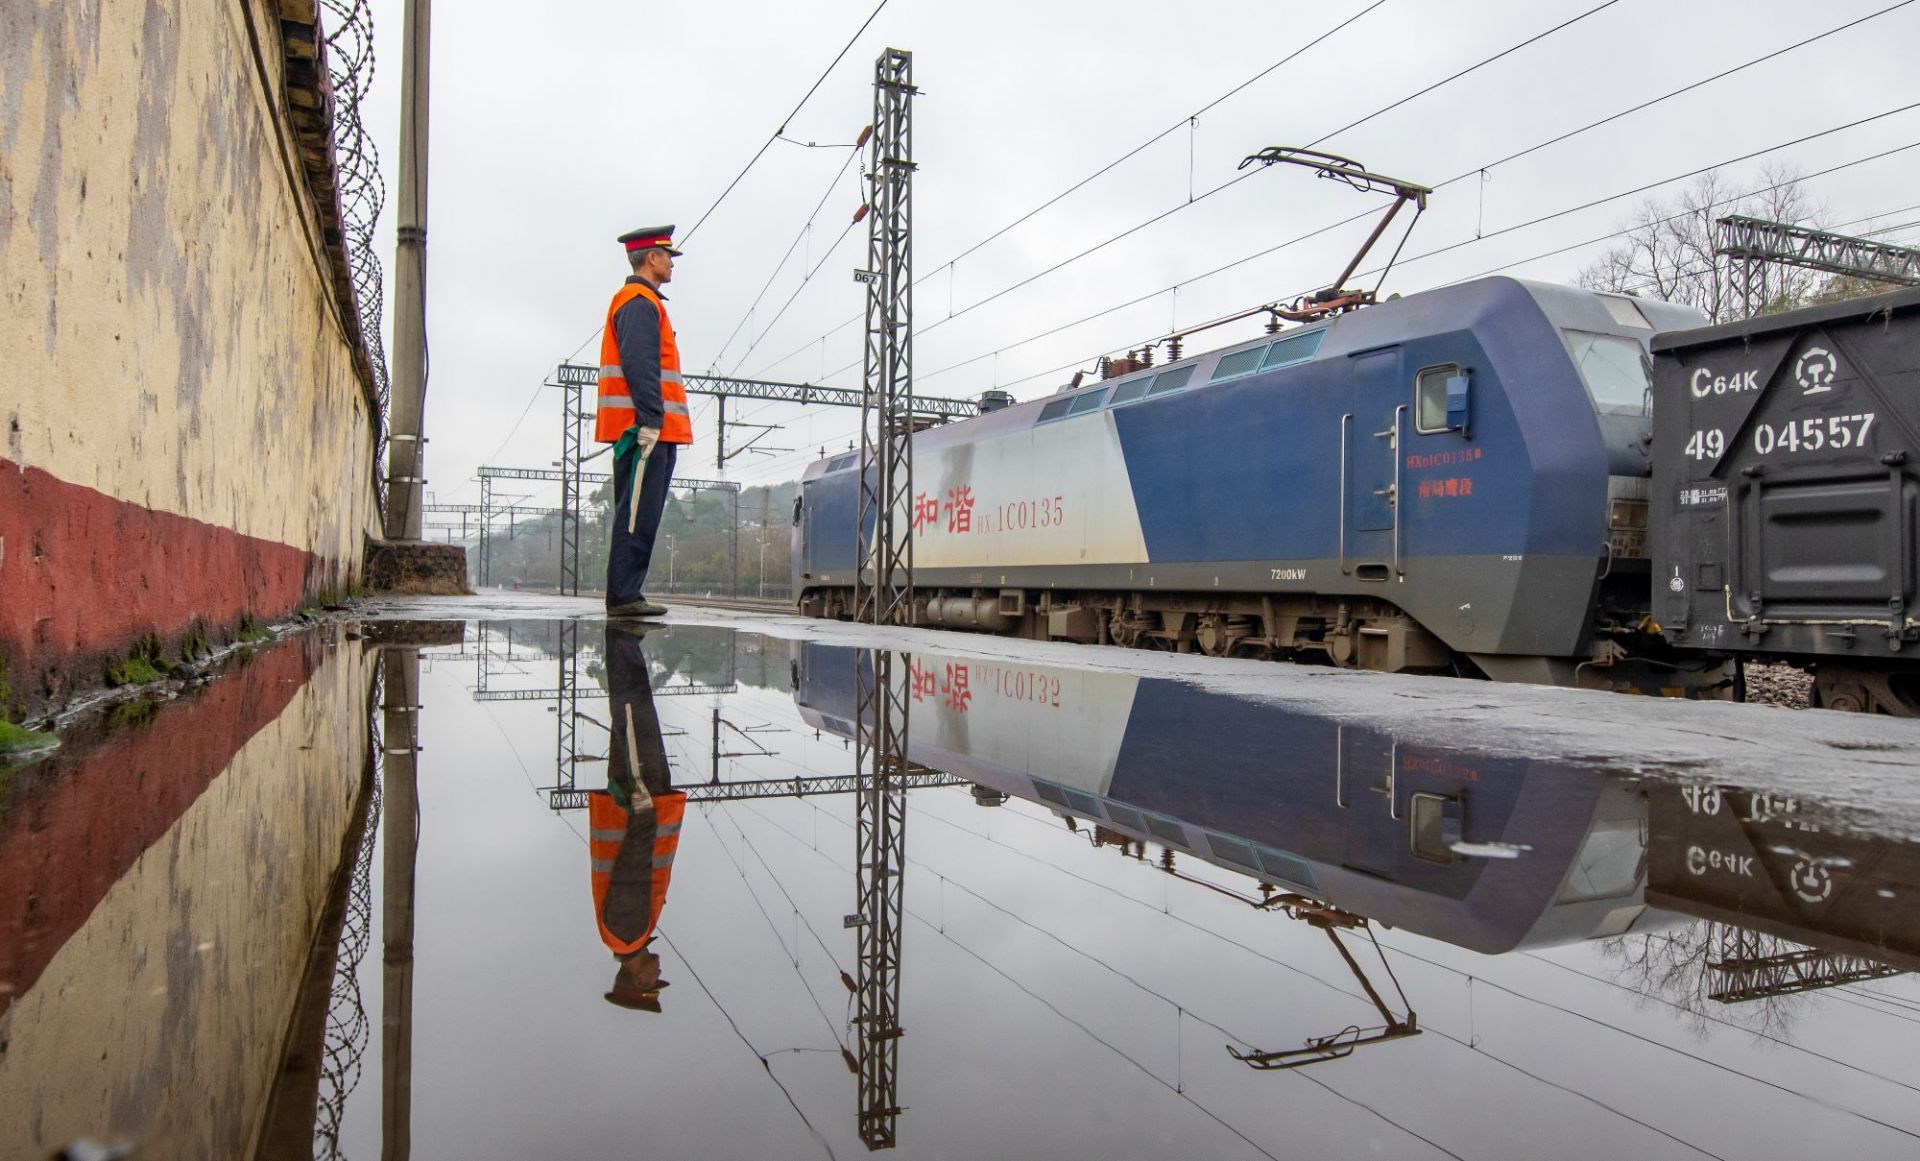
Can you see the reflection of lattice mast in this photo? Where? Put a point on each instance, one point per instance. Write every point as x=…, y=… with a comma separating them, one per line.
x=399, y=843
x=567, y=750
x=885, y=529
x=1750, y=965
x=880, y=746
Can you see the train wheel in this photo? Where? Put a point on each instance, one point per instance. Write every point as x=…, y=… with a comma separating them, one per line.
x=1129, y=628
x=1864, y=689
x=1211, y=635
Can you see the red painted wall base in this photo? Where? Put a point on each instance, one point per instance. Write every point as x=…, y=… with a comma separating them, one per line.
x=83, y=576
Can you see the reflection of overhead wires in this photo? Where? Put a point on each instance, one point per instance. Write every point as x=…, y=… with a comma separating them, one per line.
x=1709, y=1017
x=741, y=869
x=1173, y=1087
x=1417, y=957
x=762, y=1057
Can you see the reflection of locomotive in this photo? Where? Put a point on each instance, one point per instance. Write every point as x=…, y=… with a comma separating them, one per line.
x=1460, y=477
x=1340, y=813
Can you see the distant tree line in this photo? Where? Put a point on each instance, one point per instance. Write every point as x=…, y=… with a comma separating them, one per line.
x=694, y=551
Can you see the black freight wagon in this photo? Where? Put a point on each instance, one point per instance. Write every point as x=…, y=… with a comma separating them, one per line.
x=1786, y=494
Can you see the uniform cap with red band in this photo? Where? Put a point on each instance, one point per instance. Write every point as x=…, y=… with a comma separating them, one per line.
x=648, y=238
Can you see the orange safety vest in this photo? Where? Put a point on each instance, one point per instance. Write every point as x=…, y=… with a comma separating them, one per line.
x=614, y=412
x=606, y=830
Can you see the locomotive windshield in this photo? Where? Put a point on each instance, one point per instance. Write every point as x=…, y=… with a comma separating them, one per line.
x=1615, y=368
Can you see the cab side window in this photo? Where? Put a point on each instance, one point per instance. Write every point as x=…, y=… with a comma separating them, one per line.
x=1430, y=398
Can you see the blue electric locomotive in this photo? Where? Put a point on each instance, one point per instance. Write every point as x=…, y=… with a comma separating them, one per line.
x=1456, y=474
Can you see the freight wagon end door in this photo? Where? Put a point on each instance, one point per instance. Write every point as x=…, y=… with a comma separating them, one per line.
x=1792, y=518
x=1371, y=446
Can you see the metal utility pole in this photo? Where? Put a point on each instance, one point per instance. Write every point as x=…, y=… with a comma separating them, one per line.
x=486, y=529
x=885, y=596
x=885, y=530
x=407, y=402
x=1753, y=247
x=571, y=417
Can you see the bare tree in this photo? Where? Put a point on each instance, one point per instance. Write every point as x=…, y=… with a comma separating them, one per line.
x=1667, y=248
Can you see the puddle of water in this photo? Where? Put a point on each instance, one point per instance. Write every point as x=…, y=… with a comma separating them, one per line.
x=550, y=889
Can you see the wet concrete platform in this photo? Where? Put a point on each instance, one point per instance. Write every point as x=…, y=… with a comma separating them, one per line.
x=485, y=877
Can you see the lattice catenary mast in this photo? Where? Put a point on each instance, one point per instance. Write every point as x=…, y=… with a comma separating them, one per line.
x=883, y=595
x=1753, y=247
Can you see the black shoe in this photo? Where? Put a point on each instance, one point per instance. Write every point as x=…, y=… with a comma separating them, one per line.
x=640, y=608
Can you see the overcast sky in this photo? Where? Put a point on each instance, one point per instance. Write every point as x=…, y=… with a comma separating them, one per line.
x=557, y=127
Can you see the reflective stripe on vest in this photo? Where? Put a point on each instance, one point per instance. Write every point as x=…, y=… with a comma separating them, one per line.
x=614, y=411
x=606, y=831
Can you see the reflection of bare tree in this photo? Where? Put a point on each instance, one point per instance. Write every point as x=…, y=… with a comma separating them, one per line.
x=1687, y=968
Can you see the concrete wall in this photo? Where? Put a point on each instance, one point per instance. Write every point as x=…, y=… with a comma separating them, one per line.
x=188, y=423
x=159, y=893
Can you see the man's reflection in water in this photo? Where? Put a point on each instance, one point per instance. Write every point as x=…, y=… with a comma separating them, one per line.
x=635, y=825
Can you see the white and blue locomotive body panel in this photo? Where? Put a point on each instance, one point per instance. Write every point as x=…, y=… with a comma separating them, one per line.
x=1037, y=495
x=1307, y=474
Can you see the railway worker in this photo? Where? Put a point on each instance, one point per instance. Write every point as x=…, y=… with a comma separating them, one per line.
x=633, y=826
x=642, y=411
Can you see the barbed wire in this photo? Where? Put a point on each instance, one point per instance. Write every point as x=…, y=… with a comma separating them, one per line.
x=348, y=1029
x=363, y=192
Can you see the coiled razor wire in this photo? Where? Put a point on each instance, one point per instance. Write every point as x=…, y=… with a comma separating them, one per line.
x=363, y=192
x=348, y=1030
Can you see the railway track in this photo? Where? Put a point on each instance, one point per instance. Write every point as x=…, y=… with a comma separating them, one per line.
x=754, y=604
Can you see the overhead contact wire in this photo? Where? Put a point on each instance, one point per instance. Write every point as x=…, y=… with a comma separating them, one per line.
x=1131, y=230
x=782, y=264
x=1183, y=123
x=1103, y=170
x=785, y=121
x=1468, y=241
x=1555, y=140
x=1568, y=23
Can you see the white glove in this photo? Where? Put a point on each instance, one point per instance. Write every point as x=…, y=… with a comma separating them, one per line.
x=645, y=438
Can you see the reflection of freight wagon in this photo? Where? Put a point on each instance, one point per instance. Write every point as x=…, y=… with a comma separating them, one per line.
x=1455, y=480
x=1756, y=862
x=1341, y=813
x=1786, y=515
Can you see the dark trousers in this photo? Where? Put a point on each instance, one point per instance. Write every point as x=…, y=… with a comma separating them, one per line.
x=630, y=554
x=628, y=908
